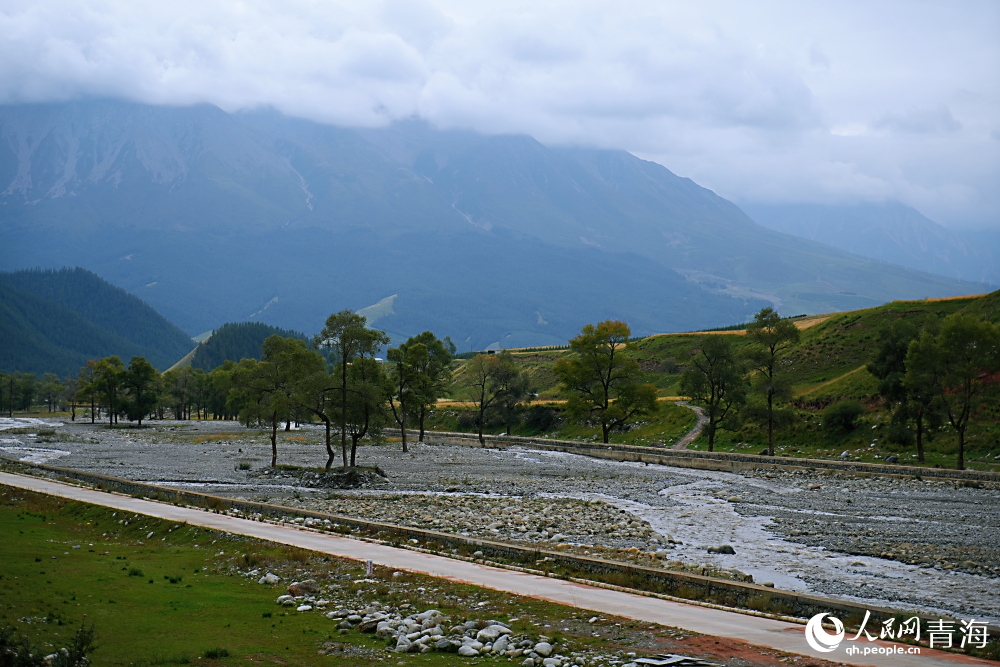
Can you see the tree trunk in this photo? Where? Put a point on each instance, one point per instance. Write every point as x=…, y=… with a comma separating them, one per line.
x=329, y=450
x=402, y=429
x=711, y=434
x=770, y=424
x=93, y=410
x=274, y=439
x=422, y=410
x=73, y=413
x=961, y=448
x=604, y=432
x=354, y=450
x=482, y=440
x=288, y=425
x=920, y=436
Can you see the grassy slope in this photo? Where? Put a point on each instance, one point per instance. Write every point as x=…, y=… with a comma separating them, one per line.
x=827, y=365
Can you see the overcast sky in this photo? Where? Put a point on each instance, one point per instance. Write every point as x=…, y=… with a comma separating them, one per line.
x=761, y=101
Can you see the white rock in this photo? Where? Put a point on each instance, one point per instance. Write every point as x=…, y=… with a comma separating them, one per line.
x=282, y=599
x=500, y=645
x=467, y=651
x=552, y=662
x=269, y=578
x=543, y=649
x=304, y=607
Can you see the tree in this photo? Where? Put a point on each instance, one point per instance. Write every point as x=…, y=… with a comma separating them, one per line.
x=717, y=378
x=87, y=387
x=605, y=383
x=139, y=384
x=108, y=378
x=67, y=397
x=514, y=386
x=366, y=400
x=50, y=387
x=954, y=368
x=770, y=337
x=266, y=392
x=889, y=367
x=434, y=374
x=347, y=337
x=7, y=393
x=404, y=381
x=489, y=377
x=26, y=386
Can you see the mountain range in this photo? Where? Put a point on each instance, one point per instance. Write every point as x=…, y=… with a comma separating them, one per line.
x=214, y=217
x=890, y=232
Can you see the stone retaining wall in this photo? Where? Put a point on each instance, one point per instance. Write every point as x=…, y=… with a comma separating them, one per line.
x=721, y=461
x=678, y=584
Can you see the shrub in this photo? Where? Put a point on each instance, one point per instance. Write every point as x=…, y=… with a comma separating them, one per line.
x=217, y=653
x=136, y=572
x=840, y=417
x=540, y=418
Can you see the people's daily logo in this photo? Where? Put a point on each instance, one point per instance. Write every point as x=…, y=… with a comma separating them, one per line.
x=819, y=639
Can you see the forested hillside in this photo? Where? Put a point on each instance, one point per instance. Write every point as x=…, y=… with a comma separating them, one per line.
x=235, y=341
x=56, y=320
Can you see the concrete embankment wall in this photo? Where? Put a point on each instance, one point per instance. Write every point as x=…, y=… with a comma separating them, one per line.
x=721, y=461
x=677, y=584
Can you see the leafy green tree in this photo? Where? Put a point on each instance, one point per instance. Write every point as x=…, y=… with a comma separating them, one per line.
x=770, y=338
x=27, y=386
x=348, y=339
x=220, y=381
x=717, y=378
x=604, y=381
x=366, y=400
x=404, y=381
x=514, y=387
x=180, y=388
x=957, y=366
x=87, y=391
x=67, y=397
x=489, y=376
x=139, y=384
x=434, y=374
x=109, y=377
x=7, y=393
x=889, y=367
x=50, y=387
x=265, y=392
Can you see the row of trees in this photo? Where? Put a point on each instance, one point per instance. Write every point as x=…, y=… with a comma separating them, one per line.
x=746, y=385
x=942, y=371
x=340, y=381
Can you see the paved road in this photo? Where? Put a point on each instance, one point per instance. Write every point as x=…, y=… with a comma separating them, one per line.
x=754, y=630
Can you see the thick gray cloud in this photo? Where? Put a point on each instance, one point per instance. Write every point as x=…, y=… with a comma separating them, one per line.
x=829, y=102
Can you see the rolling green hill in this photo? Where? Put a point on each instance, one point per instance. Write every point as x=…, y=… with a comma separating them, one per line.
x=826, y=366
x=55, y=321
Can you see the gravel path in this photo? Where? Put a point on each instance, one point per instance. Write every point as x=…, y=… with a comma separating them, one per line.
x=695, y=431
x=901, y=543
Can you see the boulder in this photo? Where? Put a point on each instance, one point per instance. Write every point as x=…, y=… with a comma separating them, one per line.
x=304, y=607
x=724, y=549
x=467, y=651
x=500, y=645
x=304, y=588
x=543, y=649
x=269, y=578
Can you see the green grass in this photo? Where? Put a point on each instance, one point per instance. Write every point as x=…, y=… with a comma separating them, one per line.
x=671, y=422
x=66, y=563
